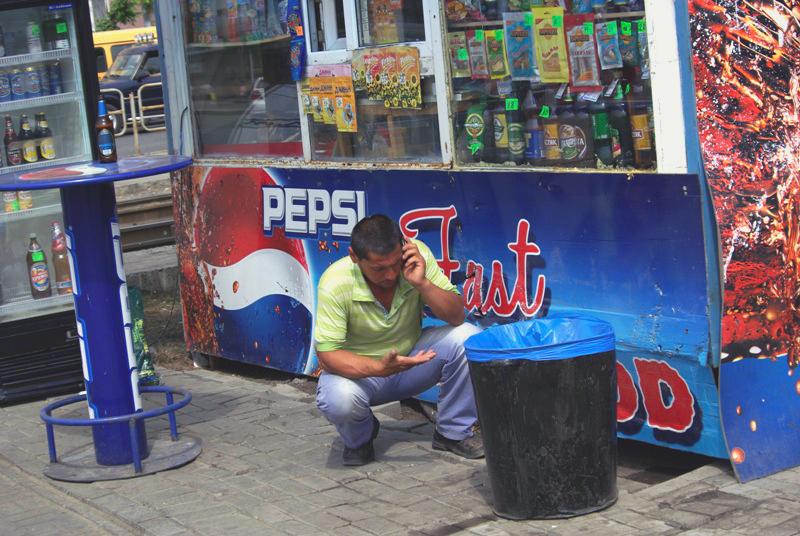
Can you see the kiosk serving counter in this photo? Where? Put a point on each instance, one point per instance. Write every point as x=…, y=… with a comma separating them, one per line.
x=629, y=159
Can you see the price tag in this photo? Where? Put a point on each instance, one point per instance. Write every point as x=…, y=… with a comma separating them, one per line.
x=611, y=28
x=625, y=26
x=641, y=26
x=37, y=256
x=498, y=35
x=588, y=28
x=478, y=35
x=544, y=112
x=298, y=30
x=462, y=54
x=529, y=19
x=474, y=147
x=627, y=88
x=512, y=105
x=35, y=30
x=61, y=27
x=557, y=21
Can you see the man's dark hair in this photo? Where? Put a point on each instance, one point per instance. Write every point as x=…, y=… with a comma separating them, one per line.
x=378, y=234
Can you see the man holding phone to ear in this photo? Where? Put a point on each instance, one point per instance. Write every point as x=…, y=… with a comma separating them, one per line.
x=372, y=348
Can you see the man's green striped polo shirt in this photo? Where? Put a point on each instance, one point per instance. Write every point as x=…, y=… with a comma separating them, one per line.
x=350, y=318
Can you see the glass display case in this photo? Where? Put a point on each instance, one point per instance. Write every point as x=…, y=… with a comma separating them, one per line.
x=43, y=117
x=551, y=83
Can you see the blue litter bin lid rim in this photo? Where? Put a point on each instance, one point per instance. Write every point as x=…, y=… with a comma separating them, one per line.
x=543, y=339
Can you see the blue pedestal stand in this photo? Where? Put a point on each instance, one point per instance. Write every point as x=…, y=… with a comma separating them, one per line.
x=104, y=324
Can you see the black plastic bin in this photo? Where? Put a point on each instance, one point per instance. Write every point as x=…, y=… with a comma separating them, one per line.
x=546, y=391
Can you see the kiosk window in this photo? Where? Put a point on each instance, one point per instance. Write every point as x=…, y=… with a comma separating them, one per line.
x=243, y=98
x=102, y=64
x=382, y=22
x=551, y=87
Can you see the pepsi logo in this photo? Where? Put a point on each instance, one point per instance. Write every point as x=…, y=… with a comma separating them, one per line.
x=302, y=212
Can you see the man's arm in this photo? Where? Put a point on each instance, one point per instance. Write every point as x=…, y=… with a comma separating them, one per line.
x=351, y=365
x=445, y=305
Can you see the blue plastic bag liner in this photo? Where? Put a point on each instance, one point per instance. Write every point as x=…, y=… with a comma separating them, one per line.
x=542, y=339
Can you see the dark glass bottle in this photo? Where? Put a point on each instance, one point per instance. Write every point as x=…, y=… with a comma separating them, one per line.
x=12, y=144
x=621, y=130
x=104, y=129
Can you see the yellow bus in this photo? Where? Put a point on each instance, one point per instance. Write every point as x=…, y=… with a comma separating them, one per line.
x=108, y=44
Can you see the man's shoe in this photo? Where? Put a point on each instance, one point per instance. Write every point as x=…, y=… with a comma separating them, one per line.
x=365, y=453
x=470, y=448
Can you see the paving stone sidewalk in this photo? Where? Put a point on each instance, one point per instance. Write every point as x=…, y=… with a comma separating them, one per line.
x=271, y=466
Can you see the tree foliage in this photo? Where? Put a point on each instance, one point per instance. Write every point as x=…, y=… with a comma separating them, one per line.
x=121, y=12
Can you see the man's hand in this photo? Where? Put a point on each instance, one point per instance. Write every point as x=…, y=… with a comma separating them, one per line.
x=393, y=363
x=413, y=265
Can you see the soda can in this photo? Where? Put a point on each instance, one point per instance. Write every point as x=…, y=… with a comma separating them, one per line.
x=5, y=86
x=33, y=84
x=44, y=78
x=25, y=199
x=17, y=78
x=54, y=70
x=10, y=202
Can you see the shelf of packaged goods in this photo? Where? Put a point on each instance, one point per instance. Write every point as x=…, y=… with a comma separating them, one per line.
x=44, y=163
x=498, y=23
x=38, y=102
x=36, y=57
x=229, y=44
x=43, y=210
x=28, y=307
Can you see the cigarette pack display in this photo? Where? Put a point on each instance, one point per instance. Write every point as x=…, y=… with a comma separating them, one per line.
x=584, y=71
x=607, y=36
x=476, y=45
x=496, y=54
x=459, y=57
x=551, y=50
x=519, y=46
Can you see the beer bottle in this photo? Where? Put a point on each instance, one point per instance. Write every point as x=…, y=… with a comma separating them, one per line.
x=474, y=133
x=601, y=131
x=63, y=277
x=13, y=146
x=39, y=276
x=30, y=154
x=500, y=122
x=640, y=130
x=584, y=139
x=44, y=136
x=106, y=146
x=534, y=135
x=552, y=147
x=489, y=150
x=516, y=135
x=621, y=130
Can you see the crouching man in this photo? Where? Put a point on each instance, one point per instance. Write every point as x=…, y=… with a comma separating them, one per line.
x=372, y=348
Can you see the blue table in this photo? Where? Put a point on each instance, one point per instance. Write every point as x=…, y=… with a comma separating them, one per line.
x=99, y=289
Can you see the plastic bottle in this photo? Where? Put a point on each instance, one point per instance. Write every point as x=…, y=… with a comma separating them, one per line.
x=621, y=129
x=500, y=123
x=643, y=154
x=38, y=274
x=534, y=133
x=601, y=131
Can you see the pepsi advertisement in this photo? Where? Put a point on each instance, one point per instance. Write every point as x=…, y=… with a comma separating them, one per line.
x=253, y=243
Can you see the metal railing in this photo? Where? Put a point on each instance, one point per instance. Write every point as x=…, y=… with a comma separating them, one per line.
x=143, y=108
x=121, y=112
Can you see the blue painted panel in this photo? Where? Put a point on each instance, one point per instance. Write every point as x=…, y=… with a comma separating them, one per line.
x=627, y=249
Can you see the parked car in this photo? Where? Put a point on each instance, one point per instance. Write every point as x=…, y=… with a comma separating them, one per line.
x=107, y=45
x=133, y=68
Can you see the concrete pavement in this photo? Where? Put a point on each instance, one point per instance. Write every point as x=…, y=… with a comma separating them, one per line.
x=267, y=467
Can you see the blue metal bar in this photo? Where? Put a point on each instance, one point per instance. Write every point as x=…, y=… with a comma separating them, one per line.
x=51, y=443
x=134, y=431
x=46, y=416
x=173, y=426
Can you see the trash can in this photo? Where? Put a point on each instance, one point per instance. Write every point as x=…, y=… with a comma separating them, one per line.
x=546, y=391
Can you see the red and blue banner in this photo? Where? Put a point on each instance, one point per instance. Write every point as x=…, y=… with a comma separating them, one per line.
x=253, y=243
